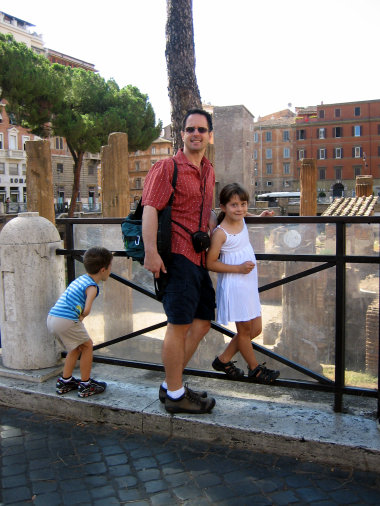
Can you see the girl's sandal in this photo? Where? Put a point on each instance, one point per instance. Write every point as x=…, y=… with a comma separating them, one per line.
x=229, y=368
x=262, y=374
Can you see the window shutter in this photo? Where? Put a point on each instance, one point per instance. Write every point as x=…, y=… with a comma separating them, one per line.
x=361, y=130
x=353, y=152
x=361, y=152
x=341, y=152
x=353, y=131
x=318, y=157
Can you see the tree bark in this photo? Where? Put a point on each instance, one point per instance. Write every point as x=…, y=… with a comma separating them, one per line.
x=180, y=60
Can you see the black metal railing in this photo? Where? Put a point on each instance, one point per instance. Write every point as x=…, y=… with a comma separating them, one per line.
x=335, y=261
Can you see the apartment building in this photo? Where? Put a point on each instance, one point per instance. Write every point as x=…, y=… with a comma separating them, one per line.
x=274, y=153
x=343, y=138
x=141, y=161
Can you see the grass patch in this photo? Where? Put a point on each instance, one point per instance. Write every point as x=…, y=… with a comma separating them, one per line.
x=352, y=378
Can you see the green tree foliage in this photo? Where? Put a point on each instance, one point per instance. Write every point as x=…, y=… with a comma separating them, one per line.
x=72, y=103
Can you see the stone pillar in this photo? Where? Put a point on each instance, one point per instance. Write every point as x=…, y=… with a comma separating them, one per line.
x=115, y=177
x=39, y=176
x=116, y=204
x=308, y=178
x=364, y=186
x=32, y=278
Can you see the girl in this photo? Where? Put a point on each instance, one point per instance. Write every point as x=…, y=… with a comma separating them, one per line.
x=237, y=295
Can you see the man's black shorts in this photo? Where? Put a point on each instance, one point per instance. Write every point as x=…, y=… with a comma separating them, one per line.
x=189, y=293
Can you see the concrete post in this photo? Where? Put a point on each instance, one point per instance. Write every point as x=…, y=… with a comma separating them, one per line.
x=308, y=178
x=39, y=175
x=364, y=186
x=115, y=203
x=31, y=280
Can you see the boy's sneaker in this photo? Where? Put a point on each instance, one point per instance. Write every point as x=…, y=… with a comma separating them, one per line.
x=162, y=393
x=189, y=402
x=93, y=387
x=62, y=387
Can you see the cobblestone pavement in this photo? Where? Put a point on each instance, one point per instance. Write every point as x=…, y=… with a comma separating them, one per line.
x=50, y=461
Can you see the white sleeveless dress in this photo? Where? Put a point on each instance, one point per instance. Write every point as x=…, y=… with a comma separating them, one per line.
x=237, y=295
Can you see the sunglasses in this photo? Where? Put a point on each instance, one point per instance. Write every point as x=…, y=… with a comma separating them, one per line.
x=191, y=130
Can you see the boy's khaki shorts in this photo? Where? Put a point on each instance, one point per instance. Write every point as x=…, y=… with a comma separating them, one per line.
x=71, y=334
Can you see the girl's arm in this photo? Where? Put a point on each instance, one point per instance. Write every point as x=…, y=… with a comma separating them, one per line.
x=213, y=264
x=91, y=292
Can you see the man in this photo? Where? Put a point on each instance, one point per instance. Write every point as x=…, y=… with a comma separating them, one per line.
x=189, y=297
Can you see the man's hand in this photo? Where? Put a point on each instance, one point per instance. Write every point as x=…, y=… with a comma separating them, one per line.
x=153, y=263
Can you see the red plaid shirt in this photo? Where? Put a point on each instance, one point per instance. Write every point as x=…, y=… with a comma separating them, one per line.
x=191, y=185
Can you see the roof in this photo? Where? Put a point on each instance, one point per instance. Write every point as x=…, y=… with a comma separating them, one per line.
x=352, y=206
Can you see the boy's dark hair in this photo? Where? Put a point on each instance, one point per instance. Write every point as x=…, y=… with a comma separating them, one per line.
x=227, y=193
x=96, y=258
x=204, y=113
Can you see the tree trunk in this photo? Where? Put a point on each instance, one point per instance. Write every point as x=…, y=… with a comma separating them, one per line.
x=78, y=159
x=180, y=60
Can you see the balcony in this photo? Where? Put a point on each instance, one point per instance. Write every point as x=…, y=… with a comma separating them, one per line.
x=16, y=153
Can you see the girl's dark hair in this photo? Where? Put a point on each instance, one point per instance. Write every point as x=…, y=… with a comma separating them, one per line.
x=96, y=258
x=226, y=195
x=202, y=112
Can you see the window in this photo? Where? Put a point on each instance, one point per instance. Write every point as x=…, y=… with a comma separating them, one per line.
x=2, y=141
x=322, y=173
x=268, y=154
x=301, y=135
x=286, y=153
x=138, y=182
x=58, y=143
x=268, y=136
x=168, y=151
x=12, y=141
x=153, y=150
x=256, y=137
x=24, y=139
x=321, y=133
x=338, y=173
x=286, y=168
x=13, y=169
x=60, y=168
x=269, y=183
x=378, y=129
x=357, y=171
x=137, y=165
x=357, y=111
x=337, y=113
x=269, y=168
x=255, y=154
x=357, y=152
x=301, y=153
x=247, y=143
x=321, y=113
x=24, y=169
x=378, y=150
x=337, y=131
x=357, y=131
x=285, y=135
x=321, y=155
x=12, y=119
x=2, y=168
x=338, y=152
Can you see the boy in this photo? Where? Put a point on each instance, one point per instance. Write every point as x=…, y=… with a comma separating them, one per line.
x=65, y=321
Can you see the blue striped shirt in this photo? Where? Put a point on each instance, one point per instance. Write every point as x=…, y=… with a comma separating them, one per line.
x=71, y=303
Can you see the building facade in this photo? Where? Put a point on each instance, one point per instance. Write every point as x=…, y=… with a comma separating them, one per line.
x=343, y=138
x=274, y=153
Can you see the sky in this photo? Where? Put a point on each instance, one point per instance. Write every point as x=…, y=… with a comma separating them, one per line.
x=264, y=54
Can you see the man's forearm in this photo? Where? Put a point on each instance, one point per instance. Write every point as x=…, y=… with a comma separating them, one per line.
x=149, y=228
